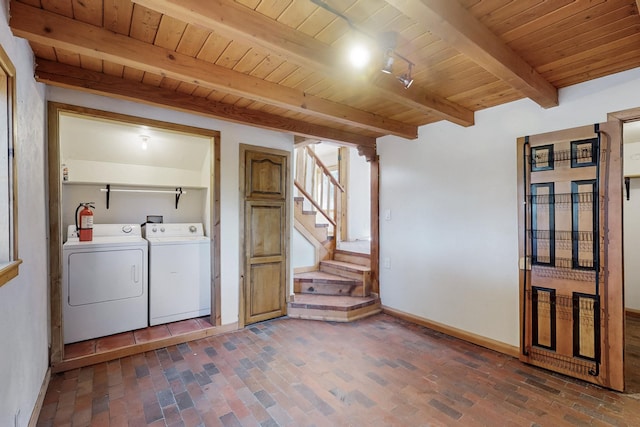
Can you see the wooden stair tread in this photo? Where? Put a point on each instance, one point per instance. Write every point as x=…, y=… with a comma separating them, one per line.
x=346, y=266
x=332, y=302
x=352, y=253
x=322, y=277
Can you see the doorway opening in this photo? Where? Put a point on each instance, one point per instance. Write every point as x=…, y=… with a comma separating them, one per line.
x=631, y=236
x=335, y=256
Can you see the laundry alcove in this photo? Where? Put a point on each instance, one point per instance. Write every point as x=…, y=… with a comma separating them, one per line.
x=161, y=169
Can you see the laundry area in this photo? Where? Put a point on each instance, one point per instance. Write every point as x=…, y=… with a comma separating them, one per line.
x=136, y=214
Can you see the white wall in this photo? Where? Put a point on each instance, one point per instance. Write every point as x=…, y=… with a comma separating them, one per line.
x=132, y=208
x=136, y=175
x=303, y=254
x=631, y=159
x=23, y=301
x=452, y=239
x=232, y=135
x=631, y=212
x=359, y=197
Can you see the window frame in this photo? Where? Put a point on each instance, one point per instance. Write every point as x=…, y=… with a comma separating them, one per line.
x=10, y=269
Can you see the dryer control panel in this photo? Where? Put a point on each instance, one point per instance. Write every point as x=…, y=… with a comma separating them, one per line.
x=169, y=230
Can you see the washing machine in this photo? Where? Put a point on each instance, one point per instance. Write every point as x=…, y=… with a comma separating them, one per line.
x=179, y=272
x=104, y=282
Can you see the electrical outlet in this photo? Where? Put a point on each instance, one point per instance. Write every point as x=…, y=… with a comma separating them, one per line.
x=387, y=214
x=387, y=263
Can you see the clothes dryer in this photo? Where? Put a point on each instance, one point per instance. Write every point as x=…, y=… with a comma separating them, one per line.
x=104, y=282
x=179, y=272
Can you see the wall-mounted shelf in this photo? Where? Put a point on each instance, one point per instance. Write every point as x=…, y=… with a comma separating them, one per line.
x=580, y=236
x=178, y=191
x=583, y=153
x=565, y=263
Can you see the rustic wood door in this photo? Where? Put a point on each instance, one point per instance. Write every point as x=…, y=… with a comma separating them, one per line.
x=265, y=176
x=570, y=221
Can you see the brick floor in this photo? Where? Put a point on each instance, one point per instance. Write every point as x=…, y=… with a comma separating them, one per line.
x=379, y=371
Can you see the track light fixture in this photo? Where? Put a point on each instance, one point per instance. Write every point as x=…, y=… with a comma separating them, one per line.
x=406, y=78
x=386, y=42
x=388, y=62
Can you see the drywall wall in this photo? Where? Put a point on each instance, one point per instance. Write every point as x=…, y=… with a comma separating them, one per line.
x=359, y=197
x=136, y=175
x=303, y=254
x=132, y=208
x=451, y=242
x=23, y=301
x=232, y=135
x=631, y=212
x=631, y=159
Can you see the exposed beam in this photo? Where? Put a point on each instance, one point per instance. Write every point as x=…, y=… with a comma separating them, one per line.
x=239, y=22
x=54, y=30
x=301, y=141
x=56, y=74
x=450, y=21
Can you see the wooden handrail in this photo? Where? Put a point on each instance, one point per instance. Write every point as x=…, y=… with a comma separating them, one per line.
x=315, y=204
x=324, y=169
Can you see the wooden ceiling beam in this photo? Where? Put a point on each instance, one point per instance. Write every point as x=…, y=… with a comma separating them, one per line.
x=60, y=32
x=301, y=141
x=68, y=76
x=450, y=21
x=239, y=22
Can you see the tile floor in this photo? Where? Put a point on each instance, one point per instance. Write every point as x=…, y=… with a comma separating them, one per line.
x=139, y=336
x=380, y=371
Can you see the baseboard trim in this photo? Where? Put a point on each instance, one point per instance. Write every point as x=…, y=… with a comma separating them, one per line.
x=632, y=312
x=489, y=343
x=35, y=414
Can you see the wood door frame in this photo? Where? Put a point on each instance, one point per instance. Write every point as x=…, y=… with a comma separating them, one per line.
x=242, y=226
x=56, y=352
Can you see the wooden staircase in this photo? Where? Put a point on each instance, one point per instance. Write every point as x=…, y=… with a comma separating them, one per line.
x=348, y=274
x=339, y=291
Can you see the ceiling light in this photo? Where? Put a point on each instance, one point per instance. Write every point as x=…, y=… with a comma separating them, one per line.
x=388, y=62
x=359, y=56
x=144, y=144
x=387, y=42
x=406, y=78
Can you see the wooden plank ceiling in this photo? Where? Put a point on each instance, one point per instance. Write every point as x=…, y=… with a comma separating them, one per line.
x=281, y=64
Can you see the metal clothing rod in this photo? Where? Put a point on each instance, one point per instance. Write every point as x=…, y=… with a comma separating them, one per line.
x=124, y=190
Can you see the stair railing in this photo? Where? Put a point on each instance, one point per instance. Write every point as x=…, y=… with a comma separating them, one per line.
x=317, y=185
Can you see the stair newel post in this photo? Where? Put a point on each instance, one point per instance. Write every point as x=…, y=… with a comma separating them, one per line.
x=314, y=174
x=300, y=158
x=323, y=201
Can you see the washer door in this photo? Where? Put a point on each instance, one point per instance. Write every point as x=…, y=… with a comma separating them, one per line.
x=101, y=276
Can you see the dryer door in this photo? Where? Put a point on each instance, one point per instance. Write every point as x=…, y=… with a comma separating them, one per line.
x=108, y=275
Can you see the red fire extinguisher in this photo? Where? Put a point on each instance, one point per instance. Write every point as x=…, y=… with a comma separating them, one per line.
x=84, y=223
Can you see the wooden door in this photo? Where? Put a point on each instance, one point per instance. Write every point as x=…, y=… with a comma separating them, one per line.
x=570, y=222
x=265, y=180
